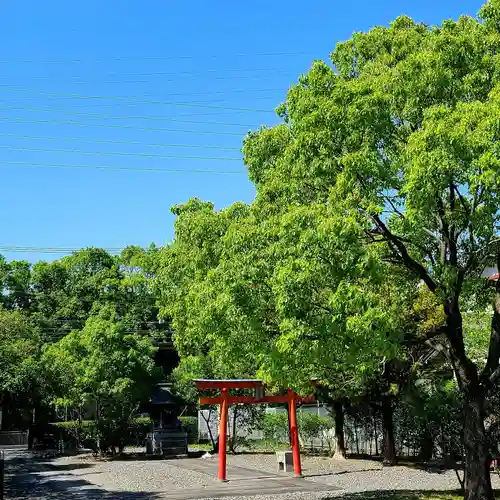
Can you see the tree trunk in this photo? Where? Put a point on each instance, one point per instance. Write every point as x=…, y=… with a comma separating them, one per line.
x=232, y=442
x=477, y=473
x=477, y=480
x=215, y=442
x=288, y=428
x=31, y=431
x=426, y=446
x=375, y=431
x=388, y=431
x=340, y=451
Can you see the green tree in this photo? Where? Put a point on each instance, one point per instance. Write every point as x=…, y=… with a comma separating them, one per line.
x=286, y=297
x=400, y=135
x=107, y=366
x=22, y=386
x=64, y=293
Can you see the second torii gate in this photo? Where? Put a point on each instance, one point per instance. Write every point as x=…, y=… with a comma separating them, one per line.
x=225, y=399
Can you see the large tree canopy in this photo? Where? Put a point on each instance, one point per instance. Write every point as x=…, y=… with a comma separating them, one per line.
x=400, y=134
x=285, y=298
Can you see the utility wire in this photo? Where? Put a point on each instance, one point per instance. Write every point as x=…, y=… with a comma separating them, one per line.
x=103, y=116
x=13, y=248
x=131, y=143
x=154, y=58
x=190, y=94
x=78, y=79
x=135, y=99
x=118, y=153
x=219, y=99
x=129, y=127
x=173, y=73
x=131, y=169
x=176, y=80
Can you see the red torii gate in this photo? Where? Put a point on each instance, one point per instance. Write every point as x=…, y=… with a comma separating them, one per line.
x=224, y=400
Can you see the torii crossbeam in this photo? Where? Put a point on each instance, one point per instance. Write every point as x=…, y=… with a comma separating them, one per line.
x=224, y=399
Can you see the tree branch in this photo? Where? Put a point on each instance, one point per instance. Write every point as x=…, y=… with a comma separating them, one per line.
x=451, y=230
x=391, y=203
x=493, y=378
x=408, y=261
x=329, y=310
x=463, y=201
x=436, y=332
x=444, y=229
x=478, y=198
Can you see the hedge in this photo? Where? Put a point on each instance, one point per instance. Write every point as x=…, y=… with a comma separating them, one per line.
x=311, y=426
x=134, y=435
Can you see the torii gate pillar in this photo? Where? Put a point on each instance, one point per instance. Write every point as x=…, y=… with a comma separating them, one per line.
x=224, y=407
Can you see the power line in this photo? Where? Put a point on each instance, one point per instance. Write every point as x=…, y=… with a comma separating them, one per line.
x=190, y=94
x=21, y=249
x=135, y=99
x=118, y=153
x=174, y=73
x=153, y=58
x=129, y=127
x=196, y=101
x=105, y=116
x=99, y=141
x=78, y=79
x=175, y=80
x=131, y=169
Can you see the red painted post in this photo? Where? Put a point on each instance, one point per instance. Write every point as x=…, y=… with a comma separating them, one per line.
x=294, y=433
x=223, y=435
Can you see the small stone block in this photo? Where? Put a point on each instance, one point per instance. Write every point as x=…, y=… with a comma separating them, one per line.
x=285, y=461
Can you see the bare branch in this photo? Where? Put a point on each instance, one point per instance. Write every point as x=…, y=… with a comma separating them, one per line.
x=478, y=198
x=329, y=310
x=427, y=337
x=463, y=201
x=401, y=249
x=391, y=203
x=408, y=261
x=451, y=230
x=493, y=378
x=444, y=229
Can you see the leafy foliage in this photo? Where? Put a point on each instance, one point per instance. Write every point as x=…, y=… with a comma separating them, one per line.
x=312, y=426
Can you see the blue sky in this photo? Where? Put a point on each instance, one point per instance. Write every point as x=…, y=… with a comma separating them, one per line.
x=132, y=79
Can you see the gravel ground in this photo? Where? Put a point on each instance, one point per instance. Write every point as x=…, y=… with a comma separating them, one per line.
x=86, y=478
x=149, y=475
x=310, y=465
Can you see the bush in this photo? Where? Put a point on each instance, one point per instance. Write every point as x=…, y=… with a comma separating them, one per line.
x=108, y=436
x=275, y=427
x=190, y=425
x=104, y=436
x=311, y=426
x=137, y=431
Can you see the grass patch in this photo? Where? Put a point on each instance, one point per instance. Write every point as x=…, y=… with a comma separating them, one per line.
x=404, y=495
x=201, y=446
x=266, y=445
x=407, y=495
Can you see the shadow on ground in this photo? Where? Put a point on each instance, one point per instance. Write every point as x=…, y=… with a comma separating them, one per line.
x=401, y=495
x=26, y=478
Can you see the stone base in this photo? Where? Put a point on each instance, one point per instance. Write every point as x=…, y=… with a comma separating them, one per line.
x=285, y=461
x=167, y=443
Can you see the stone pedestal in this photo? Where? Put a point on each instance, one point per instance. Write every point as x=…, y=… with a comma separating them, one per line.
x=167, y=443
x=285, y=461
